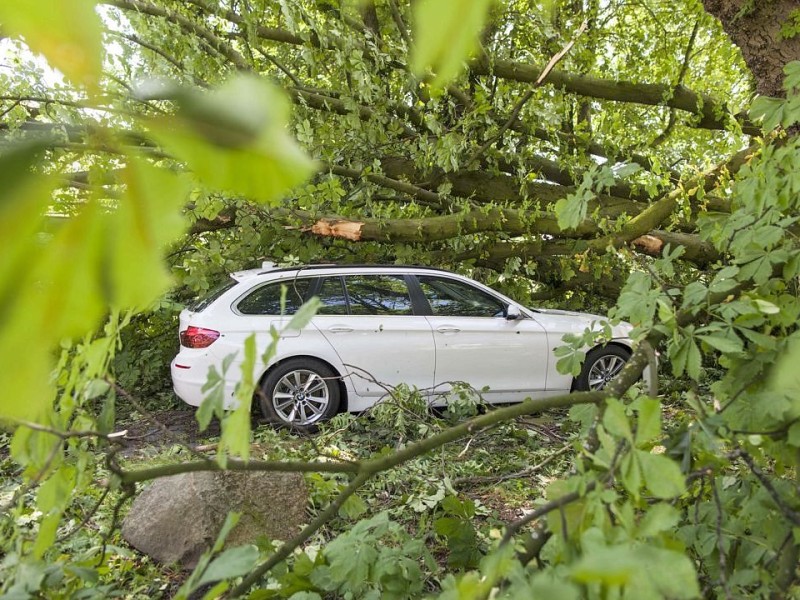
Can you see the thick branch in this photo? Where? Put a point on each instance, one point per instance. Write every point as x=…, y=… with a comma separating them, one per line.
x=658, y=212
x=430, y=229
x=696, y=250
x=186, y=25
x=233, y=464
x=712, y=114
x=338, y=106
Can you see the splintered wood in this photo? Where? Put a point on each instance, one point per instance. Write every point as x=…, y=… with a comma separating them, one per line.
x=348, y=230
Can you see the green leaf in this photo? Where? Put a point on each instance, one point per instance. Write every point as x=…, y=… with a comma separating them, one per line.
x=445, y=35
x=214, y=390
x=58, y=295
x=662, y=476
x=771, y=110
x=627, y=170
x=545, y=585
x=793, y=435
x=23, y=200
x=785, y=375
x=235, y=438
x=663, y=573
x=693, y=294
x=792, y=68
x=658, y=518
x=304, y=314
x=571, y=361
x=613, y=566
x=766, y=307
x=46, y=536
x=234, y=562
x=461, y=508
x=616, y=421
x=685, y=357
x=571, y=211
x=729, y=343
x=637, y=300
x=54, y=494
x=231, y=520
x=148, y=218
x=353, y=507
x=235, y=138
x=648, y=424
x=631, y=474
x=67, y=32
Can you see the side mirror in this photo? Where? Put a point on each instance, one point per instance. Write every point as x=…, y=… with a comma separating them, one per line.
x=512, y=312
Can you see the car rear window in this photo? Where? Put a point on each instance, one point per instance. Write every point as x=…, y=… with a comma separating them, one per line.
x=266, y=300
x=378, y=295
x=204, y=301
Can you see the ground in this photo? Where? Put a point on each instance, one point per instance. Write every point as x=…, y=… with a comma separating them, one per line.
x=163, y=428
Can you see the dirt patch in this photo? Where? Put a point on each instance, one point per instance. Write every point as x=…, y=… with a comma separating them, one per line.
x=164, y=428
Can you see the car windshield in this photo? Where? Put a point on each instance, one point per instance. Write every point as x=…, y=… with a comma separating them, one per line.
x=202, y=303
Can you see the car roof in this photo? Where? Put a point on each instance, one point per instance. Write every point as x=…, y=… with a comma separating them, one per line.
x=269, y=268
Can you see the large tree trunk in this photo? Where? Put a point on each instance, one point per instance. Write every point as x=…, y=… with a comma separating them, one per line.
x=756, y=30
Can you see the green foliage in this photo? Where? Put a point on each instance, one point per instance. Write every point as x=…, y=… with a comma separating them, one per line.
x=572, y=210
x=791, y=27
x=776, y=112
x=234, y=138
x=68, y=33
x=573, y=352
x=147, y=345
x=456, y=526
x=376, y=558
x=445, y=32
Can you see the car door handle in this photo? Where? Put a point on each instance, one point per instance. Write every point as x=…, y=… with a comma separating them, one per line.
x=340, y=329
x=446, y=329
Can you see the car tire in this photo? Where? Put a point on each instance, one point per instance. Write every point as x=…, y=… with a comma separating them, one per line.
x=300, y=393
x=602, y=365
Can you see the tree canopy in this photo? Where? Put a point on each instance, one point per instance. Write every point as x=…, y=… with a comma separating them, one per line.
x=568, y=124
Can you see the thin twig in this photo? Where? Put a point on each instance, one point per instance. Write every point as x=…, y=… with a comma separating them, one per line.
x=286, y=549
x=34, y=481
x=723, y=559
x=398, y=21
x=791, y=514
x=87, y=517
x=684, y=68
x=526, y=472
x=527, y=96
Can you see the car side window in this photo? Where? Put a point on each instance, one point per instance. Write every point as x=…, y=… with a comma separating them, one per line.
x=266, y=300
x=378, y=295
x=331, y=294
x=453, y=298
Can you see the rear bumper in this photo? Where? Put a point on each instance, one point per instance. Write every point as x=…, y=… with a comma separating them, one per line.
x=188, y=381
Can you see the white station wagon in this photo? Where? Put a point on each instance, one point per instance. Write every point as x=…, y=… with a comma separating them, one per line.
x=380, y=326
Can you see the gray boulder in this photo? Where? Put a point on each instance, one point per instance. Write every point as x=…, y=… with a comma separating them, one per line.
x=177, y=518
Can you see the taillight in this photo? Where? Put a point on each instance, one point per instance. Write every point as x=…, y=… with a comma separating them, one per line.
x=198, y=337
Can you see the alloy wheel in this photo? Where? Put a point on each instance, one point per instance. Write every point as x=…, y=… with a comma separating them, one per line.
x=300, y=397
x=604, y=370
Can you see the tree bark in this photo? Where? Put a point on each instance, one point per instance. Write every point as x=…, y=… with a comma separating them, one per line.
x=755, y=27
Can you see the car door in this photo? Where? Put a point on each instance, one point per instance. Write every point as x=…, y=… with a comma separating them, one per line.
x=476, y=344
x=370, y=321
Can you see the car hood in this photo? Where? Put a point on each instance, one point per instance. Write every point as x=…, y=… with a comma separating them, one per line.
x=570, y=313
x=576, y=322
